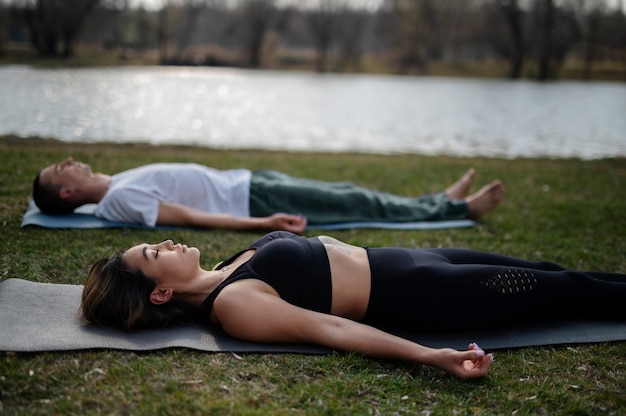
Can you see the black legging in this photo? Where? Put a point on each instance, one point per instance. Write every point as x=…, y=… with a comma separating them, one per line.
x=447, y=289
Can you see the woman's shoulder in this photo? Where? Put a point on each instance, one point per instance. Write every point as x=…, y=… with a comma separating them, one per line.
x=237, y=295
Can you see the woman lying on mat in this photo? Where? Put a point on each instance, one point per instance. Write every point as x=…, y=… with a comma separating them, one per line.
x=288, y=288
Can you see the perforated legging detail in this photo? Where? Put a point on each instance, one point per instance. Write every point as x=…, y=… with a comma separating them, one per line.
x=454, y=289
x=511, y=281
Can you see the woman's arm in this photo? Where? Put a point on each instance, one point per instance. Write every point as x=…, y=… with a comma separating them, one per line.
x=181, y=215
x=249, y=310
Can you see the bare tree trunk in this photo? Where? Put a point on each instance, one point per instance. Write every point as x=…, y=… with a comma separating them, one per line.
x=192, y=10
x=590, y=16
x=426, y=30
x=163, y=33
x=513, y=16
x=409, y=28
x=54, y=23
x=590, y=45
x=259, y=16
x=545, y=52
x=40, y=18
x=73, y=21
x=323, y=25
x=353, y=26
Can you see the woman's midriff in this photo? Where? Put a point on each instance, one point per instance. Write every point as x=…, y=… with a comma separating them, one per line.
x=350, y=276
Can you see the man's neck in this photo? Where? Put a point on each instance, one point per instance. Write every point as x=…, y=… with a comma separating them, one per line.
x=98, y=187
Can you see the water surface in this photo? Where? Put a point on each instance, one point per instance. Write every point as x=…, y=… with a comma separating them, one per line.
x=230, y=108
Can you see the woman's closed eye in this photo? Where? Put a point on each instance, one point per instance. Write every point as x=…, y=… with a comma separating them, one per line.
x=146, y=252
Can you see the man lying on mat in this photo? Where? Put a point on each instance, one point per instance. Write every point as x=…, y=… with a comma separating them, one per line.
x=286, y=288
x=199, y=196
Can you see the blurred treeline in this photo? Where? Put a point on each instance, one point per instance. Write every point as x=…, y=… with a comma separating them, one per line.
x=523, y=38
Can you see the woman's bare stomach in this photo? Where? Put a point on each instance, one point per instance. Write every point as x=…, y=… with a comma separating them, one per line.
x=350, y=276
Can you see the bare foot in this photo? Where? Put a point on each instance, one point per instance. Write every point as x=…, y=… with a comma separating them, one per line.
x=486, y=199
x=460, y=188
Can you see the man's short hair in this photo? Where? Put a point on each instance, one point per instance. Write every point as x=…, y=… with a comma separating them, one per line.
x=48, y=200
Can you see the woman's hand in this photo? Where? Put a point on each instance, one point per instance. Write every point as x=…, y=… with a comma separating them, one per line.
x=286, y=222
x=470, y=364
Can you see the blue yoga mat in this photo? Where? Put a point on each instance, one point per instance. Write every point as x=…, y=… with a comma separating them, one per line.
x=83, y=218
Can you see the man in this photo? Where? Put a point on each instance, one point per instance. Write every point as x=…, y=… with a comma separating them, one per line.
x=185, y=194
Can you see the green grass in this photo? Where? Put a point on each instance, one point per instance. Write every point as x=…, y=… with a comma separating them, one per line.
x=568, y=211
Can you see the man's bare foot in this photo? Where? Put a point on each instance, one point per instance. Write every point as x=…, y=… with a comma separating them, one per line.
x=460, y=188
x=486, y=199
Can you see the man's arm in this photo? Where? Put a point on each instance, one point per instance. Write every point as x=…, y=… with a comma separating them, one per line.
x=181, y=215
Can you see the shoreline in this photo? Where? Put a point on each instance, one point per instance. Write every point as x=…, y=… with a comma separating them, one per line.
x=88, y=56
x=55, y=142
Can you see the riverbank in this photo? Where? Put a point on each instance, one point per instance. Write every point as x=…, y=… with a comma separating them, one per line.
x=566, y=210
x=87, y=56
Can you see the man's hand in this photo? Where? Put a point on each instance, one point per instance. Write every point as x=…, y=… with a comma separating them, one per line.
x=286, y=222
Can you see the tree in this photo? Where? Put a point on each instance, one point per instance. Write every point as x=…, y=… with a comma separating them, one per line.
x=590, y=16
x=513, y=15
x=258, y=17
x=430, y=30
x=323, y=23
x=190, y=11
x=55, y=24
x=544, y=13
x=182, y=24
x=350, y=38
x=558, y=34
x=407, y=23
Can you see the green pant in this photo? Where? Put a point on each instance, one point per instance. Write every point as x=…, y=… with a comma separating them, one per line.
x=331, y=202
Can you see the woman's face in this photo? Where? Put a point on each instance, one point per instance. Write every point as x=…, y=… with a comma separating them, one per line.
x=165, y=262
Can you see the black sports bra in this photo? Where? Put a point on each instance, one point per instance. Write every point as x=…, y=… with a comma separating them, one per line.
x=296, y=267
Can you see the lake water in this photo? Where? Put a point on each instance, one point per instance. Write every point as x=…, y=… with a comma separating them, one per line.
x=230, y=108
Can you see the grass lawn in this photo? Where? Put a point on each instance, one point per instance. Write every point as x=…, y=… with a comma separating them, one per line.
x=569, y=211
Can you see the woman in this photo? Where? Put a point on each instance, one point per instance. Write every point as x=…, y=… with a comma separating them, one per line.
x=288, y=288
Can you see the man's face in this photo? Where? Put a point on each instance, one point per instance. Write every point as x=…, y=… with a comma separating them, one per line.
x=67, y=174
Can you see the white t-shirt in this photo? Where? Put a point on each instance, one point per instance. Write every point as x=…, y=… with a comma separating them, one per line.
x=134, y=195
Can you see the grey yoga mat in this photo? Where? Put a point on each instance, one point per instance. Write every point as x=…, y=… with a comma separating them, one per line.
x=45, y=317
x=83, y=218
